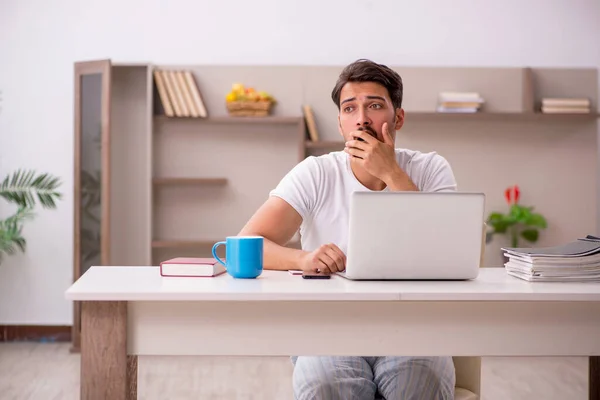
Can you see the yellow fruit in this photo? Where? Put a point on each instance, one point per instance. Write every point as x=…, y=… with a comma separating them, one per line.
x=241, y=93
x=265, y=96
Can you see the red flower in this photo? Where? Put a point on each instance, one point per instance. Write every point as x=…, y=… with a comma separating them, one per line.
x=512, y=194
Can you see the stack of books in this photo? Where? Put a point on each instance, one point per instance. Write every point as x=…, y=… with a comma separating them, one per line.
x=179, y=94
x=565, y=106
x=577, y=261
x=459, y=102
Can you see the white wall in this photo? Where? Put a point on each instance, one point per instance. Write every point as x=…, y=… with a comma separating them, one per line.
x=39, y=41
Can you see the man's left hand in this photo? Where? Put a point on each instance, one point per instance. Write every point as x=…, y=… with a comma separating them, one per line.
x=376, y=157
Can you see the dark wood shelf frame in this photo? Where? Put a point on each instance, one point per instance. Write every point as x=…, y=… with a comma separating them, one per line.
x=178, y=244
x=321, y=144
x=272, y=119
x=180, y=181
x=157, y=244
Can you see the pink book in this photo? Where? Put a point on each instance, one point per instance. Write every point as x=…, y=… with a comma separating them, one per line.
x=191, y=267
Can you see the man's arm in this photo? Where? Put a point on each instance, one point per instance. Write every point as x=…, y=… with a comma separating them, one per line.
x=399, y=181
x=276, y=221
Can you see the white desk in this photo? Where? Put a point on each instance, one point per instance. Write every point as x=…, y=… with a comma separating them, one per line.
x=131, y=311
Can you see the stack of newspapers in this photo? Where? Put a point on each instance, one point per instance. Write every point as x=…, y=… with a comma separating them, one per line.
x=577, y=261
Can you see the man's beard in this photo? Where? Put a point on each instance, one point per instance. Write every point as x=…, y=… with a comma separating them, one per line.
x=369, y=130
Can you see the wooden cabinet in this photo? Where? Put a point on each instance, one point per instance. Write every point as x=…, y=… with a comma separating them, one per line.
x=111, y=113
x=148, y=187
x=92, y=168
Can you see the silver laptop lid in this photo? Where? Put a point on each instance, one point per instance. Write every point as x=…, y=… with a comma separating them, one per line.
x=415, y=235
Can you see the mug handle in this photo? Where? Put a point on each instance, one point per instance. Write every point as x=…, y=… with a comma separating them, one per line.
x=214, y=253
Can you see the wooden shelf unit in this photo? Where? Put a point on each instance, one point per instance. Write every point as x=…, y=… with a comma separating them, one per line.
x=179, y=244
x=322, y=144
x=180, y=181
x=495, y=115
x=247, y=152
x=334, y=145
x=183, y=244
x=285, y=120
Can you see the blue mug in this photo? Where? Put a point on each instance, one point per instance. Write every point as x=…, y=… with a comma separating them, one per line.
x=243, y=256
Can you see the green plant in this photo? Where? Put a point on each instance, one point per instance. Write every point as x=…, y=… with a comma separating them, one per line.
x=25, y=189
x=519, y=222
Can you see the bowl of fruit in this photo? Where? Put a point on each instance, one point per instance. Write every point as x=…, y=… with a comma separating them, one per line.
x=247, y=102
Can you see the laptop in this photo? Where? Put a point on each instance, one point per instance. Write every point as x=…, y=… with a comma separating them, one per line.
x=415, y=236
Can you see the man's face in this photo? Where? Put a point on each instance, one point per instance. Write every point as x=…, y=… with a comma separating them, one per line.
x=366, y=106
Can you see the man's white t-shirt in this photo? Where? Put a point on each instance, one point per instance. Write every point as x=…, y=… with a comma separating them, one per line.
x=319, y=189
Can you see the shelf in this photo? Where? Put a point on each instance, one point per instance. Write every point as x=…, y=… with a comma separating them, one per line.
x=156, y=244
x=188, y=181
x=575, y=116
x=164, y=244
x=324, y=144
x=480, y=116
x=232, y=120
x=495, y=115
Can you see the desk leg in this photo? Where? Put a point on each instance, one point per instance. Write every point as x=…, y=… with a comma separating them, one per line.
x=594, y=378
x=106, y=370
x=132, y=374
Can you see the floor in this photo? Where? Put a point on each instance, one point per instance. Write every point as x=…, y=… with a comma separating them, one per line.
x=47, y=371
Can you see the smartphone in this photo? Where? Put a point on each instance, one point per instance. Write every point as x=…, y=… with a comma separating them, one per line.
x=315, y=275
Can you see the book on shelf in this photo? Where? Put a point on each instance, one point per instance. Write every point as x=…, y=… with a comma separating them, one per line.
x=459, y=102
x=553, y=105
x=311, y=125
x=576, y=261
x=191, y=267
x=195, y=93
x=161, y=86
x=179, y=93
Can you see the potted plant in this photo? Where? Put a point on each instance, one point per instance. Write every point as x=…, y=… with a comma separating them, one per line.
x=25, y=189
x=520, y=222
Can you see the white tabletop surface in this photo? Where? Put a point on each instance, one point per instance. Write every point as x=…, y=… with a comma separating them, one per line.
x=143, y=283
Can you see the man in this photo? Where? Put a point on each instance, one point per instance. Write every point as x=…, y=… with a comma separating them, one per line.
x=314, y=197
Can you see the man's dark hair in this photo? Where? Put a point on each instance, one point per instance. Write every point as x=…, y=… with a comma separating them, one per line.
x=368, y=71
